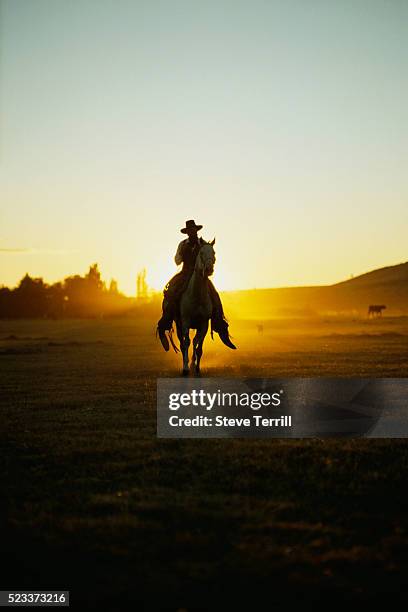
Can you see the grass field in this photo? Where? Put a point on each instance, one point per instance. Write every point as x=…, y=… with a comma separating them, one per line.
x=94, y=503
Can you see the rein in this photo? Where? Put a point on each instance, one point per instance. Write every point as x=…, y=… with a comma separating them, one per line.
x=171, y=332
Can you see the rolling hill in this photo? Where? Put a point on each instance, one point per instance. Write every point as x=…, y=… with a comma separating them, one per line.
x=387, y=286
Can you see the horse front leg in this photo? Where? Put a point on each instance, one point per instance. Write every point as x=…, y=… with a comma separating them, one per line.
x=185, y=344
x=201, y=334
x=194, y=357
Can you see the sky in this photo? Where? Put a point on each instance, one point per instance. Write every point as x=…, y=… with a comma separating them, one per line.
x=280, y=126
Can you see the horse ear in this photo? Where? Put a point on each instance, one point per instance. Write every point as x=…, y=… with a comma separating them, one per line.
x=212, y=242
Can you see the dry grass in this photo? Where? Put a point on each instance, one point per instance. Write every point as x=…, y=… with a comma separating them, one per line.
x=96, y=504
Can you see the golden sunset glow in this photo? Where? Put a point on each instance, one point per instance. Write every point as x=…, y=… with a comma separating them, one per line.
x=289, y=149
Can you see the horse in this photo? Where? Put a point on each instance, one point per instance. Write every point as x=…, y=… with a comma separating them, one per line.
x=376, y=310
x=196, y=308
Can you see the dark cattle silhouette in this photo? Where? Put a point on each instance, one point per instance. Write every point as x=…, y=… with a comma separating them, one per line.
x=375, y=310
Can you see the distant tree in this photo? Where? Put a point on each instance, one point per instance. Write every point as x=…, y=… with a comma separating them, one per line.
x=141, y=285
x=30, y=297
x=94, y=278
x=6, y=296
x=56, y=301
x=113, y=287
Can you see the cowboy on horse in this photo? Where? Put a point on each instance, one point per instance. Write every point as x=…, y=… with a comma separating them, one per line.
x=187, y=252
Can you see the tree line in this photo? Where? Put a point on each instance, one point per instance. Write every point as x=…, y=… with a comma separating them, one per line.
x=75, y=296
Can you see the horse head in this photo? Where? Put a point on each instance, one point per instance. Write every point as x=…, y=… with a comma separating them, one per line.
x=206, y=259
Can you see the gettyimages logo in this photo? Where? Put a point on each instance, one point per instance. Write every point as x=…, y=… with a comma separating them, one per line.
x=209, y=401
x=282, y=408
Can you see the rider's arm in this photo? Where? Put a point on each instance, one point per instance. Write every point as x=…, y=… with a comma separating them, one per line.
x=178, y=258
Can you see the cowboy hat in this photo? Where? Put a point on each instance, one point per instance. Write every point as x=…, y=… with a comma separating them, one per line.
x=190, y=225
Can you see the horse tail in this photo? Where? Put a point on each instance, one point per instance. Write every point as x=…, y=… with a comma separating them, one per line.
x=219, y=322
x=224, y=334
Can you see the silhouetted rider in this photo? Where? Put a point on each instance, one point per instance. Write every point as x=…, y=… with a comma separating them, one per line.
x=186, y=254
